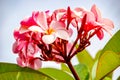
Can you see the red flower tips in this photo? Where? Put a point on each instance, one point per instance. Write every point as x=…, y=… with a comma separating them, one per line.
x=47, y=37
x=69, y=18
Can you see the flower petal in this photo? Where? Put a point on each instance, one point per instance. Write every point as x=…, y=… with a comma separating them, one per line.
x=41, y=20
x=96, y=12
x=36, y=64
x=57, y=25
x=31, y=49
x=78, y=12
x=108, y=23
x=90, y=21
x=14, y=47
x=16, y=34
x=35, y=29
x=20, y=62
x=18, y=45
x=59, y=13
x=63, y=34
x=48, y=39
x=28, y=22
x=90, y=17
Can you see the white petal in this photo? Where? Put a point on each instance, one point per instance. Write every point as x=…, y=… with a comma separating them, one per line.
x=48, y=39
x=63, y=34
x=35, y=29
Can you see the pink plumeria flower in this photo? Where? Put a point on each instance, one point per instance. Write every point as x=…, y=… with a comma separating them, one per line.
x=94, y=20
x=51, y=30
x=27, y=54
x=26, y=50
x=106, y=24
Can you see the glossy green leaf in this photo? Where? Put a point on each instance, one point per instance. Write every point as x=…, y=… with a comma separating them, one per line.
x=64, y=67
x=10, y=71
x=107, y=78
x=85, y=58
x=82, y=71
x=56, y=74
x=97, y=55
x=96, y=59
x=93, y=71
x=113, y=44
x=107, y=63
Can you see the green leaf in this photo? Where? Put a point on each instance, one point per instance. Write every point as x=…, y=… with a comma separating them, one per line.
x=64, y=67
x=85, y=58
x=108, y=62
x=113, y=44
x=96, y=59
x=10, y=71
x=118, y=78
x=97, y=55
x=56, y=74
x=94, y=68
x=107, y=78
x=82, y=71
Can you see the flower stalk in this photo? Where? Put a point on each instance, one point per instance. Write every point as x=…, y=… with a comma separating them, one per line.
x=73, y=70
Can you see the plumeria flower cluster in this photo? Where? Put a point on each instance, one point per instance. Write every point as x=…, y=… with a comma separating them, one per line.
x=46, y=37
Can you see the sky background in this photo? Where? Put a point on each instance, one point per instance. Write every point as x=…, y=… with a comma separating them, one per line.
x=13, y=11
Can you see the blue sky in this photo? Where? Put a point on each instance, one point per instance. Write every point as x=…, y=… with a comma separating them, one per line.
x=13, y=11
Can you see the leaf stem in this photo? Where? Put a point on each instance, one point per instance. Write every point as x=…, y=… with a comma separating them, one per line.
x=73, y=70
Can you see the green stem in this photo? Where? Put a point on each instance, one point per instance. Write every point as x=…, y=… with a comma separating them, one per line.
x=73, y=70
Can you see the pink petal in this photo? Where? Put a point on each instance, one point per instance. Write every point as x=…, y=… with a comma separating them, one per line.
x=41, y=20
x=59, y=13
x=31, y=49
x=78, y=12
x=90, y=17
x=20, y=62
x=57, y=25
x=21, y=35
x=48, y=39
x=29, y=21
x=63, y=34
x=79, y=9
x=90, y=21
x=37, y=64
x=23, y=29
x=14, y=47
x=18, y=45
x=16, y=34
x=108, y=24
x=96, y=12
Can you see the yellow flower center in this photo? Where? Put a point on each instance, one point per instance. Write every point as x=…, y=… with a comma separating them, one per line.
x=49, y=31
